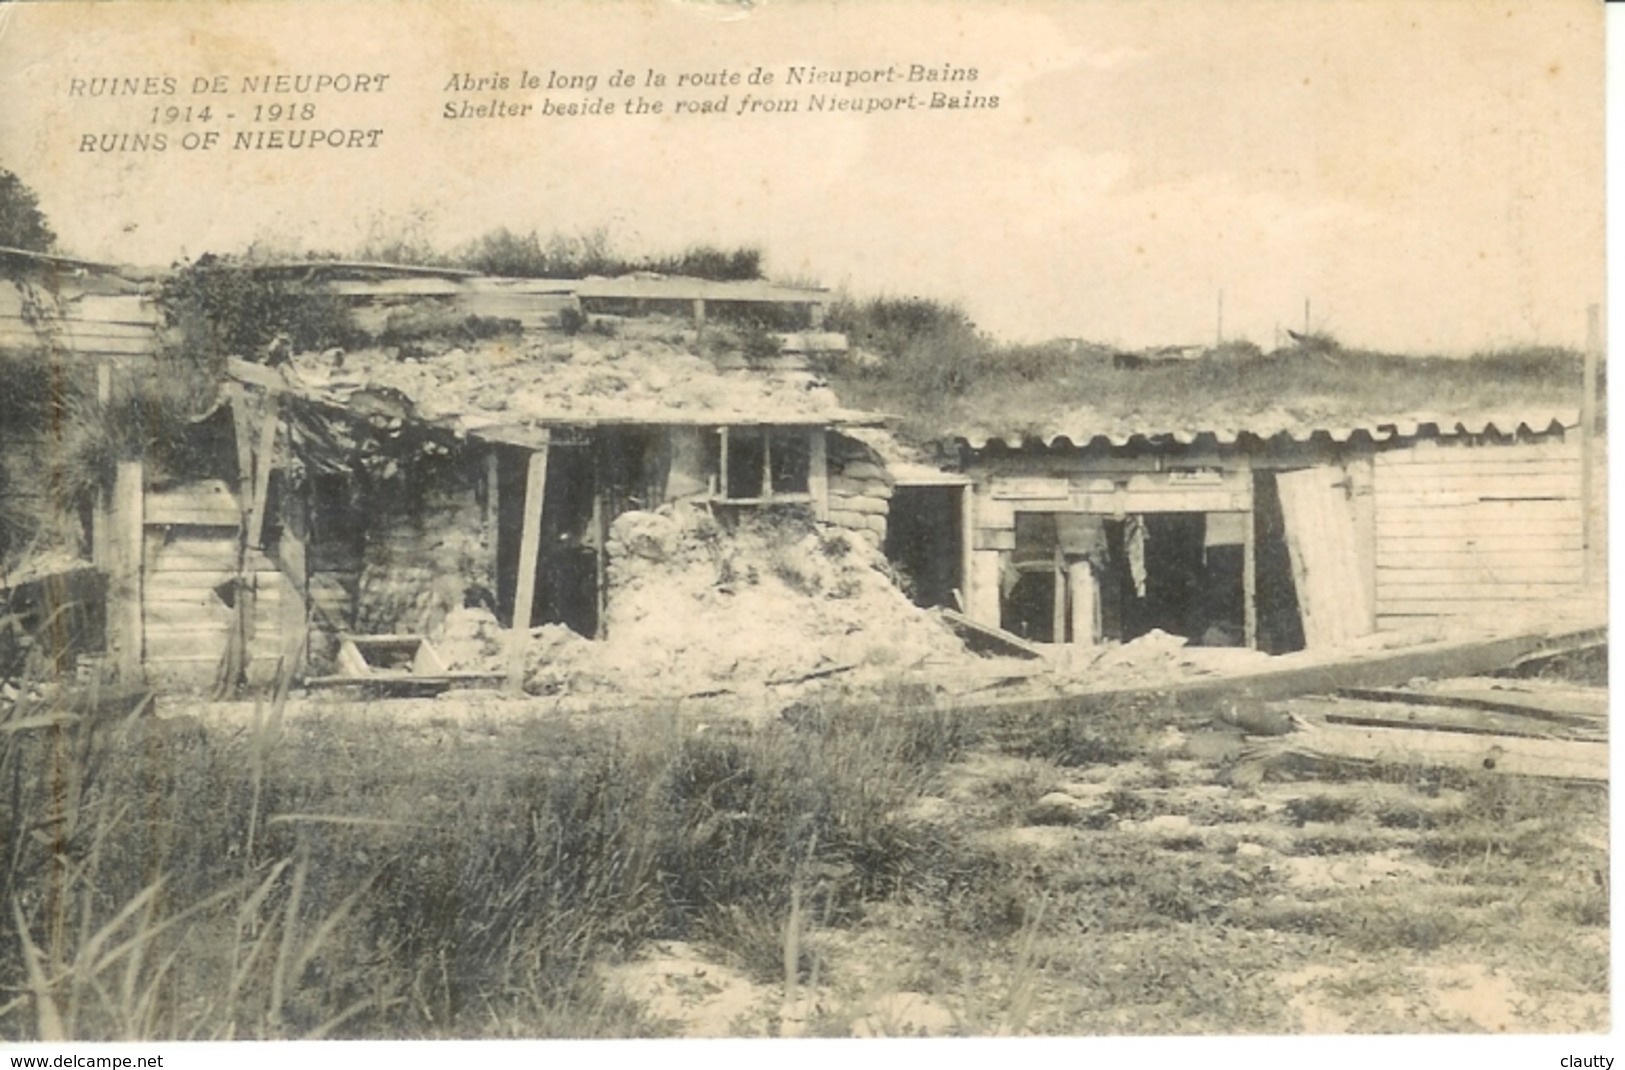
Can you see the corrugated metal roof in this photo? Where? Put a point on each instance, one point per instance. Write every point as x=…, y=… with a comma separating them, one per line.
x=1287, y=429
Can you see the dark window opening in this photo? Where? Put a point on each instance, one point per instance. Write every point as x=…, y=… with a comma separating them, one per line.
x=755, y=465
x=925, y=542
x=746, y=454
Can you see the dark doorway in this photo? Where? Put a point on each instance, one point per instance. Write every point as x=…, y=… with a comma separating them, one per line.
x=925, y=542
x=1280, y=620
x=1181, y=573
x=566, y=577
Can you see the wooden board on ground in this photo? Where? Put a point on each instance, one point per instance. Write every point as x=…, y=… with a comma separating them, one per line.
x=1554, y=758
x=1459, y=719
x=988, y=636
x=1570, y=706
x=1307, y=674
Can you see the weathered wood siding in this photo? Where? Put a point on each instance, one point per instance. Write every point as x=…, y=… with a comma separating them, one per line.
x=1466, y=530
x=534, y=303
x=1323, y=541
x=91, y=317
x=190, y=592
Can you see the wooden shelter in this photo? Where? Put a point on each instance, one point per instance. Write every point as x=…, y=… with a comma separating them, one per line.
x=1282, y=538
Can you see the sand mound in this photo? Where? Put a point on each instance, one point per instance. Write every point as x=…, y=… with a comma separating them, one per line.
x=696, y=605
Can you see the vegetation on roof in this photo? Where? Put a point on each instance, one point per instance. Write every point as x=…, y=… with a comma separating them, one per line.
x=559, y=255
x=926, y=362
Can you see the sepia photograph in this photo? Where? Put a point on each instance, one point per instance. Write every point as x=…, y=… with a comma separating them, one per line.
x=796, y=519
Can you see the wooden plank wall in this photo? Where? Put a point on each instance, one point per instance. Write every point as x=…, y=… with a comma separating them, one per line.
x=1474, y=530
x=535, y=303
x=78, y=319
x=188, y=570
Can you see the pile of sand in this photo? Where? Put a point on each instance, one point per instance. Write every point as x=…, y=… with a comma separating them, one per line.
x=770, y=600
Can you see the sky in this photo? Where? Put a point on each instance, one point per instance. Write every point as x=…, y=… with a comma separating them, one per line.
x=1426, y=177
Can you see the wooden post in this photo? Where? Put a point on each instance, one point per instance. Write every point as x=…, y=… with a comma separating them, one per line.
x=767, y=464
x=99, y=513
x=1588, y=426
x=493, y=518
x=1249, y=576
x=125, y=545
x=967, y=547
x=600, y=533
x=818, y=473
x=1058, y=616
x=530, y=541
x=722, y=465
x=1249, y=555
x=1085, y=603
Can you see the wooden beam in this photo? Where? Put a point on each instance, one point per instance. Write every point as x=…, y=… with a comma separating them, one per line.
x=493, y=519
x=967, y=544
x=530, y=541
x=1576, y=708
x=99, y=514
x=1085, y=603
x=1249, y=579
x=722, y=464
x=600, y=532
x=767, y=462
x=1554, y=758
x=1058, y=611
x=985, y=635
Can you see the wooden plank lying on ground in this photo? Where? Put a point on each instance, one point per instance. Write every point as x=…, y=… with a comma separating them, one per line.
x=1583, y=645
x=1306, y=674
x=1555, y=695
x=986, y=635
x=1463, y=720
x=408, y=681
x=1557, y=758
x=1570, y=708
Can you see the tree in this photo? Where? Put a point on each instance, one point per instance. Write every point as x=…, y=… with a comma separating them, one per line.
x=22, y=224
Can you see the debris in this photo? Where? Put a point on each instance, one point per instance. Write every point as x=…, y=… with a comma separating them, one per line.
x=985, y=636
x=1569, y=706
x=1465, y=720
x=768, y=600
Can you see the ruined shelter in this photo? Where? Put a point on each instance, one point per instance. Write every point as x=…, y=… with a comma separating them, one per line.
x=1284, y=537
x=515, y=462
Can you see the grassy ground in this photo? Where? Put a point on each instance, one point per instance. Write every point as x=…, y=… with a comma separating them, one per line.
x=437, y=869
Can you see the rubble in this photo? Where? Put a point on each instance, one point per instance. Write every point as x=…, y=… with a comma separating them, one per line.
x=643, y=372
x=695, y=607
